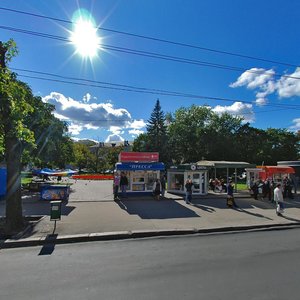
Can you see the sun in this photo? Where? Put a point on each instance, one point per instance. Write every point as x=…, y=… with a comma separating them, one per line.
x=84, y=35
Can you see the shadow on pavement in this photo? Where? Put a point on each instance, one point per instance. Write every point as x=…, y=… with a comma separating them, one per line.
x=290, y=219
x=151, y=209
x=252, y=214
x=49, y=246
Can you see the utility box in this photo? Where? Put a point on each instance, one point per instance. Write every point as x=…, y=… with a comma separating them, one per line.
x=55, y=212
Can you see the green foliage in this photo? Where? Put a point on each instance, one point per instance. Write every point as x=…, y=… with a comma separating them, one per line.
x=157, y=138
x=82, y=156
x=196, y=133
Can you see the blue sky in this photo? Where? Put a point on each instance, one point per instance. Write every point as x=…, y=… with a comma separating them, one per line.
x=265, y=92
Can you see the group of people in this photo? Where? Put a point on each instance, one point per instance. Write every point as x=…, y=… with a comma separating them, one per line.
x=217, y=185
x=274, y=192
x=265, y=189
x=260, y=189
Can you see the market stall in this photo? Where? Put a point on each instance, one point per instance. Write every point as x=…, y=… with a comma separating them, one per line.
x=273, y=173
x=141, y=170
x=49, y=190
x=178, y=175
x=140, y=175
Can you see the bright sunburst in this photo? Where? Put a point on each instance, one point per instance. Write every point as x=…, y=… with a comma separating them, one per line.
x=84, y=35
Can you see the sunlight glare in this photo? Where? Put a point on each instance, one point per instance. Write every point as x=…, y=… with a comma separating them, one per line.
x=84, y=36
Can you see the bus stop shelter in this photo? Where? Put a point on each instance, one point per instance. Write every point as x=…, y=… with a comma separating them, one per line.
x=225, y=165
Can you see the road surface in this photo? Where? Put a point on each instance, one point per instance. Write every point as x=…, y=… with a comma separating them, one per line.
x=256, y=265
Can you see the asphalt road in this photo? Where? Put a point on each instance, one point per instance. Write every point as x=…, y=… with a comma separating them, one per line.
x=257, y=265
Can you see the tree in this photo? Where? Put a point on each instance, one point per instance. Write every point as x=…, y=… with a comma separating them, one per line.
x=188, y=134
x=141, y=143
x=197, y=133
x=157, y=139
x=14, y=107
x=82, y=156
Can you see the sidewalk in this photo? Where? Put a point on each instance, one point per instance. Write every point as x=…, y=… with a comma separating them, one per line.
x=91, y=214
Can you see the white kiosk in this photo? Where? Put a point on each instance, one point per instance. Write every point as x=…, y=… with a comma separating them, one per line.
x=178, y=175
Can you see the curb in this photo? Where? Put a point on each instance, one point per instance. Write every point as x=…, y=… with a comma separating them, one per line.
x=137, y=234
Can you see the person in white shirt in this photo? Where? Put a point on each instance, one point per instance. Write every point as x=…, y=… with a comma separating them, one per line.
x=278, y=199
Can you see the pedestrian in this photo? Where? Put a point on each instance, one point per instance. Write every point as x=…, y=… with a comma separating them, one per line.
x=116, y=185
x=230, y=197
x=163, y=186
x=267, y=190
x=188, y=190
x=123, y=184
x=278, y=199
x=156, y=189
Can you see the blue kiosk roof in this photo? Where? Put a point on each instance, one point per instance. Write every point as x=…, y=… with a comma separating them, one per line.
x=133, y=166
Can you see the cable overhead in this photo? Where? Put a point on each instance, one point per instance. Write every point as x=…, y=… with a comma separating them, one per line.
x=164, y=93
x=140, y=89
x=158, y=39
x=152, y=54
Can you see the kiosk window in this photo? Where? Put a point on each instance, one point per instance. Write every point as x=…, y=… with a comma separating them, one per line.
x=177, y=181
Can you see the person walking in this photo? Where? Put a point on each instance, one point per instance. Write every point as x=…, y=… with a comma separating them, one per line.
x=116, y=185
x=163, y=186
x=188, y=190
x=230, y=197
x=156, y=189
x=123, y=184
x=278, y=199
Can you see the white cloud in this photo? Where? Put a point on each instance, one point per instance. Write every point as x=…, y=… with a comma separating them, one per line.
x=86, y=98
x=137, y=124
x=90, y=126
x=237, y=109
x=288, y=87
x=75, y=129
x=265, y=84
x=296, y=125
x=112, y=138
x=254, y=78
x=135, y=132
x=116, y=129
x=261, y=101
x=88, y=115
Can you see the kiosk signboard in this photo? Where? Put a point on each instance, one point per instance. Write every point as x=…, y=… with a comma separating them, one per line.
x=139, y=157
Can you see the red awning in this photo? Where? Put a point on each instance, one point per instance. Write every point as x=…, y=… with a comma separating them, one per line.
x=278, y=170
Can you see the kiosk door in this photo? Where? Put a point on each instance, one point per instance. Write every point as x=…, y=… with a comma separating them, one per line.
x=196, y=182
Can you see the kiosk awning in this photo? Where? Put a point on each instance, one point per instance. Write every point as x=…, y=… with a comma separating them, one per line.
x=222, y=164
x=278, y=170
x=140, y=166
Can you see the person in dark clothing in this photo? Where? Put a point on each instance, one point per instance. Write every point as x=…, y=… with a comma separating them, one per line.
x=287, y=188
x=163, y=186
x=123, y=184
x=189, y=190
x=254, y=189
x=230, y=197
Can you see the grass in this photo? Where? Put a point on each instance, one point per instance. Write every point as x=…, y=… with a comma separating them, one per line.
x=242, y=187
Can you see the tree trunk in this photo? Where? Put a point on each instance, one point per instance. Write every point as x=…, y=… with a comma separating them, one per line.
x=14, y=211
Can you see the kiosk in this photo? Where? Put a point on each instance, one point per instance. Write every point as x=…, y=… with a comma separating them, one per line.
x=141, y=176
x=141, y=170
x=178, y=175
x=274, y=173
